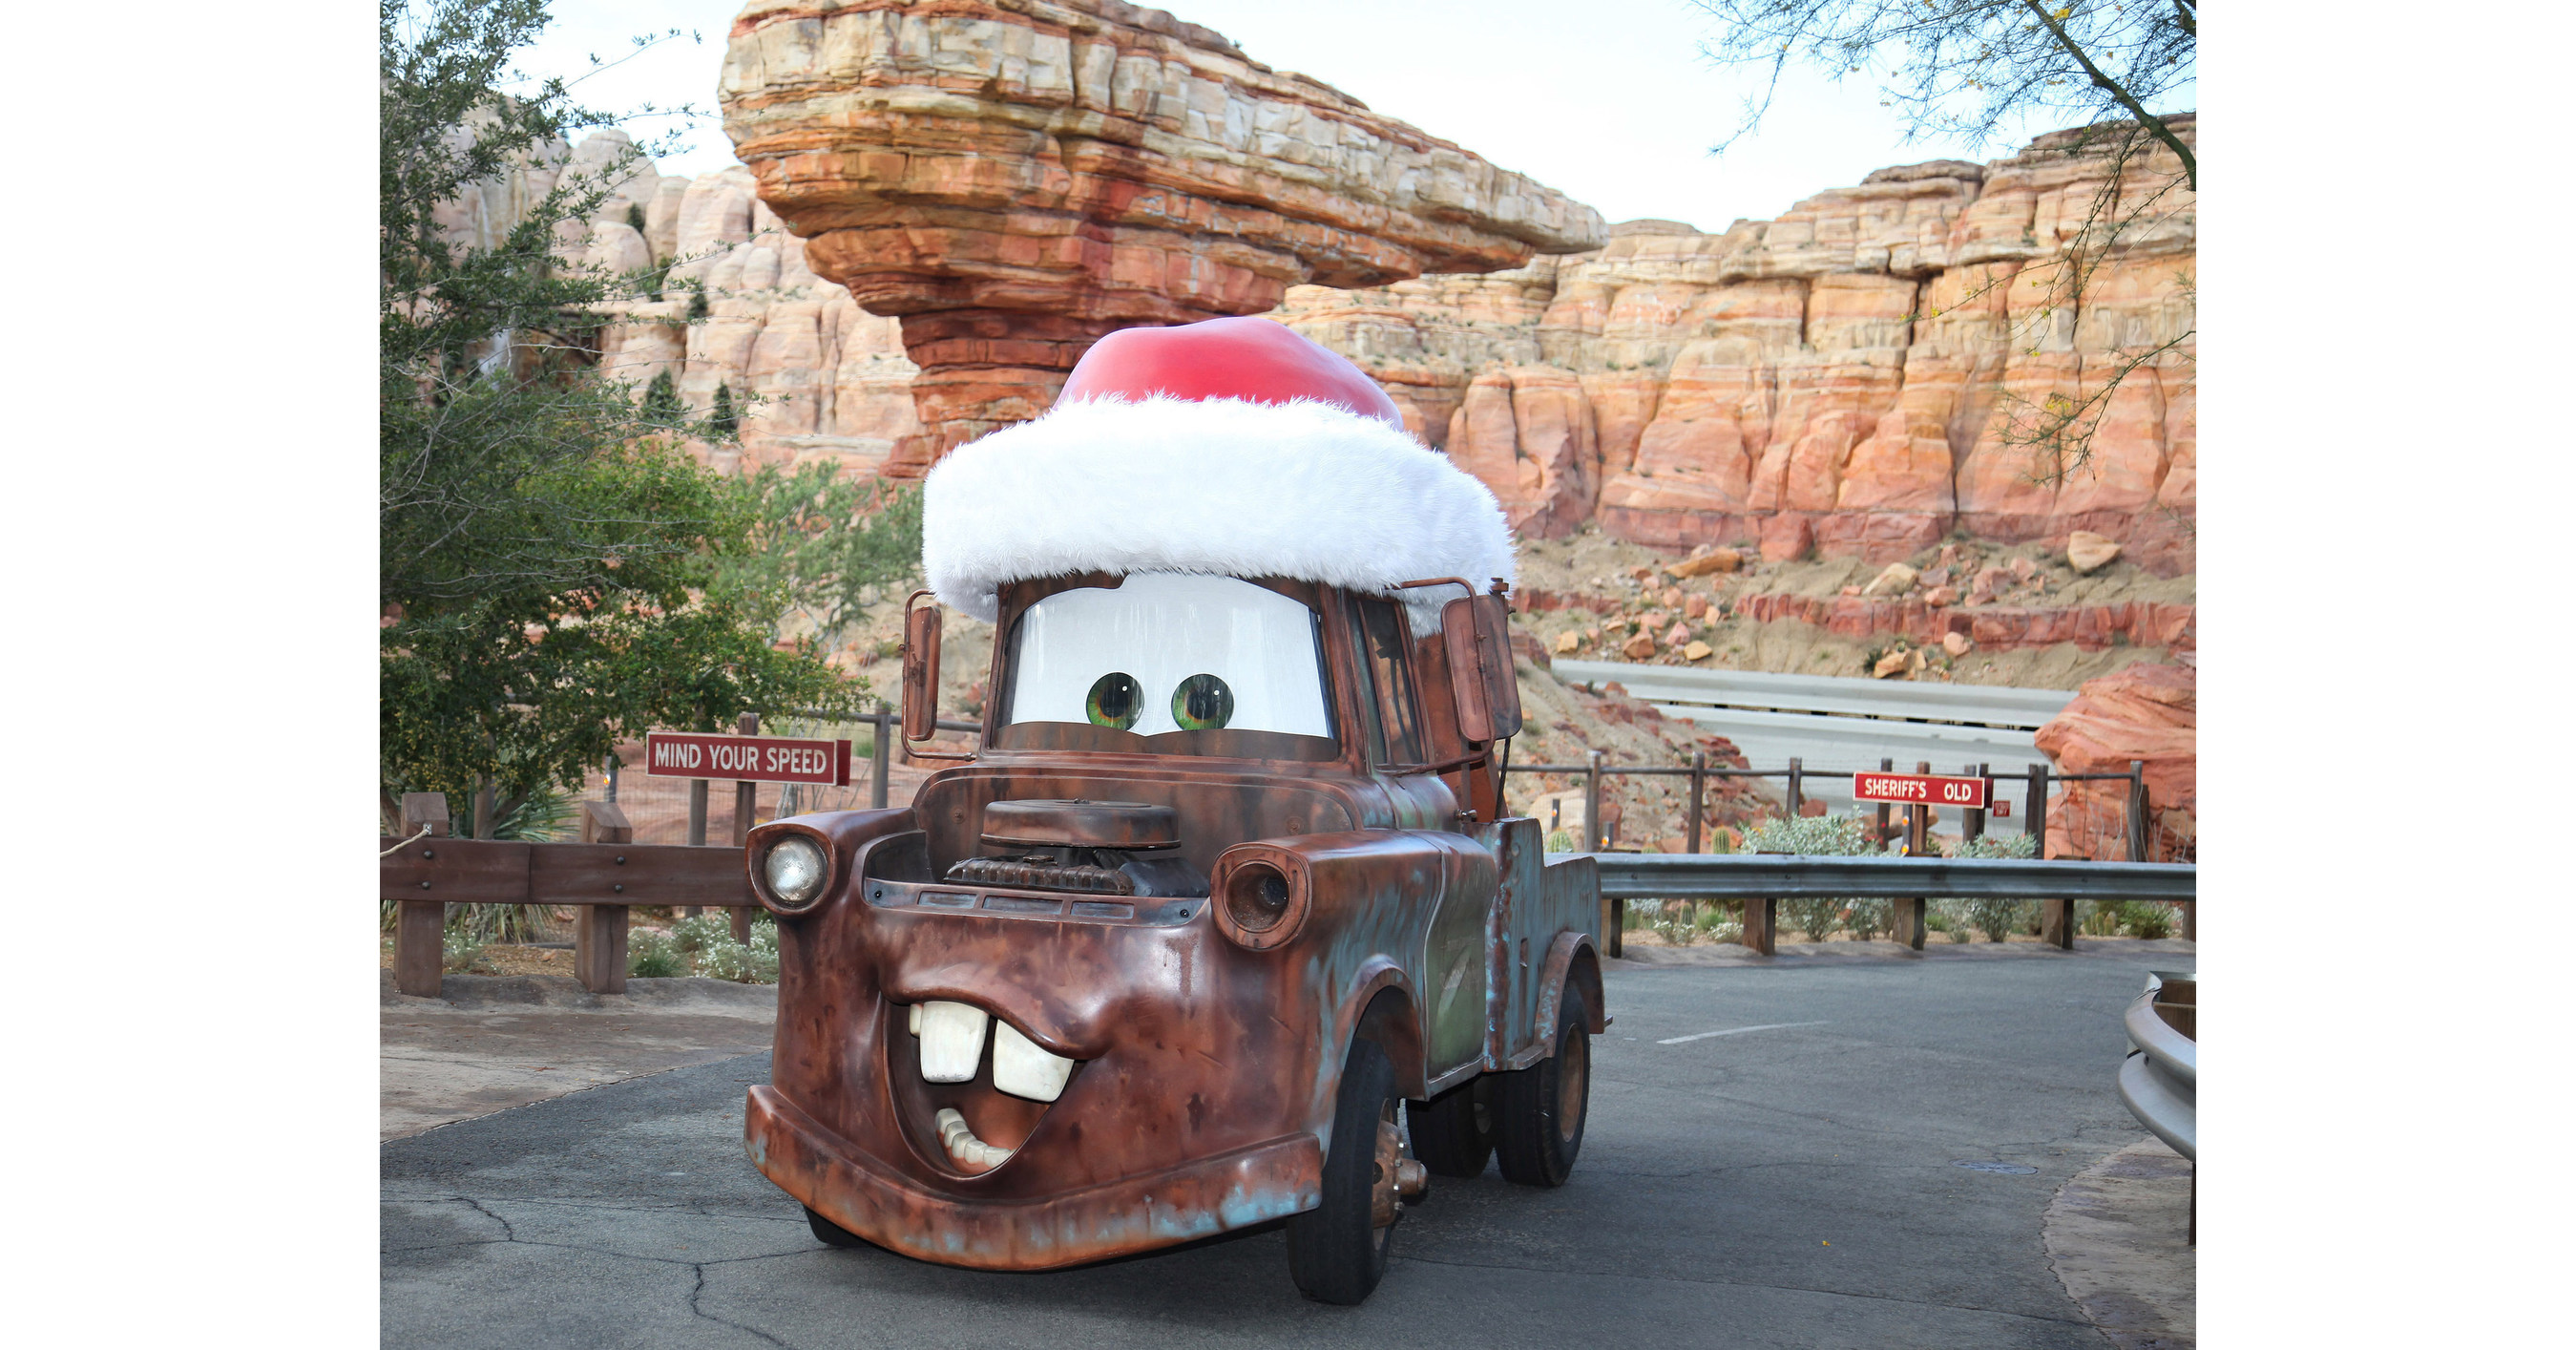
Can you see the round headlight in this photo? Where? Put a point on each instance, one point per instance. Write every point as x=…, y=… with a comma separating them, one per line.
x=795, y=869
x=1256, y=897
x=1260, y=901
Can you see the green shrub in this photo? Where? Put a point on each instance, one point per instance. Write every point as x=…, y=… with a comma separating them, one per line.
x=650, y=954
x=1997, y=919
x=1829, y=836
x=2146, y=918
x=692, y=936
x=1869, y=918
x=459, y=949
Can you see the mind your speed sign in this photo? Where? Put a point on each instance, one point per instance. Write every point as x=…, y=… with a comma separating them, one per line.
x=746, y=759
x=1920, y=789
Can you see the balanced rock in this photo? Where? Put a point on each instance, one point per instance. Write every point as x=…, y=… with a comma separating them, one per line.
x=1016, y=178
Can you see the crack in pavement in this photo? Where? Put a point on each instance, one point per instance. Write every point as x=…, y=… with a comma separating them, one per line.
x=699, y=1286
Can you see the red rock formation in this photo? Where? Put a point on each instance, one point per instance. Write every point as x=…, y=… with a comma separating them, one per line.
x=1015, y=178
x=1845, y=377
x=2139, y=712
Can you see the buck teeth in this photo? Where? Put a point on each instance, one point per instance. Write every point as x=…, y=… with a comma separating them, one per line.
x=1021, y=1069
x=952, y=1040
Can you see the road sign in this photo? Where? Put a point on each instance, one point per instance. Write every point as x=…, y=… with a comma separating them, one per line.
x=1919, y=789
x=746, y=759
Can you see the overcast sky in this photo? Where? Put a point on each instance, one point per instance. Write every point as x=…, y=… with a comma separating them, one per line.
x=1614, y=106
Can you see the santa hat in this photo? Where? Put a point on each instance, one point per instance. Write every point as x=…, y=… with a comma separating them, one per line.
x=1229, y=446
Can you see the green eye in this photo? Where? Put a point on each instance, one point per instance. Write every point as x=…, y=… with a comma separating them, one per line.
x=1202, y=703
x=1115, y=700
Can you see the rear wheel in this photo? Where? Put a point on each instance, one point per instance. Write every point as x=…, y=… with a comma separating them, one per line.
x=1337, y=1250
x=1539, y=1111
x=830, y=1233
x=1453, y=1133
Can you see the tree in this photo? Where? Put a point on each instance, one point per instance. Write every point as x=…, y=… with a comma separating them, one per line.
x=662, y=399
x=556, y=572
x=722, y=417
x=1970, y=68
x=826, y=542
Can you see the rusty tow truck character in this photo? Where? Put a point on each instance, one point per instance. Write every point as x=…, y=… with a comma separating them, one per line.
x=1221, y=923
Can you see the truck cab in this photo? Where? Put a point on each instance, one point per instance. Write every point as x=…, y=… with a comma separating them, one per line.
x=1222, y=922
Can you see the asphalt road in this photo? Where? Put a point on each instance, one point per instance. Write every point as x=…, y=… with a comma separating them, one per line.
x=1794, y=1186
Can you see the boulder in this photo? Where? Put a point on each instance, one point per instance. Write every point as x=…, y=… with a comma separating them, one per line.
x=1696, y=651
x=1891, y=665
x=1702, y=564
x=2087, y=552
x=1638, y=648
x=2139, y=712
x=1896, y=580
x=1957, y=644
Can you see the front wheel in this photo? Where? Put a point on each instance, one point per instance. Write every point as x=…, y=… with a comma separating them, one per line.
x=1337, y=1250
x=832, y=1234
x=1538, y=1127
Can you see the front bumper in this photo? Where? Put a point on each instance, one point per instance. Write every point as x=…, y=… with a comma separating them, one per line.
x=876, y=1201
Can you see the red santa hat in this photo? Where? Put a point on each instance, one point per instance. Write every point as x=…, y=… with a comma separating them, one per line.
x=1230, y=446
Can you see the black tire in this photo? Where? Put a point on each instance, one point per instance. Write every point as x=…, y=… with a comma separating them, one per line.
x=1539, y=1111
x=832, y=1234
x=1453, y=1133
x=1335, y=1253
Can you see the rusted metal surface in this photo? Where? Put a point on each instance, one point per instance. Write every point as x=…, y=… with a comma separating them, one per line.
x=1082, y=824
x=1206, y=1035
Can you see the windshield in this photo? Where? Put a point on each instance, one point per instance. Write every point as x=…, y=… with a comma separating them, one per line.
x=1169, y=664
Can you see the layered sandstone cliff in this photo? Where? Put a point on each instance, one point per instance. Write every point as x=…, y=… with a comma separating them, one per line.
x=815, y=377
x=1850, y=375
x=1016, y=178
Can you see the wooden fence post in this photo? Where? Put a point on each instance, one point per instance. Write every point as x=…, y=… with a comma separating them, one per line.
x=746, y=804
x=1908, y=927
x=1884, y=766
x=1797, y=787
x=420, y=926
x=1699, y=787
x=1918, y=821
x=2035, y=822
x=880, y=756
x=599, y=931
x=1972, y=824
x=2137, y=812
x=1762, y=925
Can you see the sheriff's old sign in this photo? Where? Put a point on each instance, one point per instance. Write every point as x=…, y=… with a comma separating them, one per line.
x=1919, y=789
x=746, y=759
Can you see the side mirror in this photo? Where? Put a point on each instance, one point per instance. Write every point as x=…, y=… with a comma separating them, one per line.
x=1476, y=634
x=920, y=669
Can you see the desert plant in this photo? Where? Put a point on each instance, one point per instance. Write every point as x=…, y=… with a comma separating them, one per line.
x=2146, y=918
x=694, y=935
x=458, y=950
x=1559, y=841
x=650, y=954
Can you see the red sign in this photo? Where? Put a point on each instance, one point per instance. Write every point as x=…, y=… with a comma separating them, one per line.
x=746, y=759
x=1919, y=789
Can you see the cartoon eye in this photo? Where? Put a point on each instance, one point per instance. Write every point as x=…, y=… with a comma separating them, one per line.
x=1115, y=701
x=1202, y=703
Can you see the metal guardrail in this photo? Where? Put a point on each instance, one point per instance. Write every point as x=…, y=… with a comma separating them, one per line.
x=1782, y=876
x=2159, y=1081
x=1903, y=701
x=1762, y=880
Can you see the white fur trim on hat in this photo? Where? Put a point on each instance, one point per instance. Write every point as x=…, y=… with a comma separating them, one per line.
x=1305, y=490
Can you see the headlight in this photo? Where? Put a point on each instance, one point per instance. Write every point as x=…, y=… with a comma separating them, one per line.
x=795, y=869
x=1260, y=900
